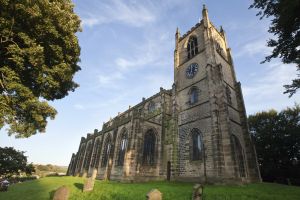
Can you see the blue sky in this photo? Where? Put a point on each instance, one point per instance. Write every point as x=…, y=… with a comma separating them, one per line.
x=127, y=53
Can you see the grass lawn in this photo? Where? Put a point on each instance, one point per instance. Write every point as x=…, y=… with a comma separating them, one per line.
x=44, y=189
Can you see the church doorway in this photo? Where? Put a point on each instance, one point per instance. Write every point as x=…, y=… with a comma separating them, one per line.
x=169, y=171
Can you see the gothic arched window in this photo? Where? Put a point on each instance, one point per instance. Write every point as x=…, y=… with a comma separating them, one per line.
x=81, y=156
x=106, y=151
x=149, y=148
x=192, y=47
x=96, y=152
x=238, y=155
x=196, y=145
x=88, y=155
x=193, y=95
x=122, y=148
x=151, y=106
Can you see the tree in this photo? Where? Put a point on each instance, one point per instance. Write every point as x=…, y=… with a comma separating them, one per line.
x=29, y=169
x=12, y=161
x=39, y=53
x=277, y=140
x=285, y=25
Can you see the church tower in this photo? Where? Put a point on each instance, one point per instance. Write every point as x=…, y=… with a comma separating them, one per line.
x=213, y=138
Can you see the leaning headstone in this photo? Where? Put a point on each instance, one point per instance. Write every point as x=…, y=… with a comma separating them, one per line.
x=154, y=194
x=61, y=193
x=198, y=192
x=88, y=185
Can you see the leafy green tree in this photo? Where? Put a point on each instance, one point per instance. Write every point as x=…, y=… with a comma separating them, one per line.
x=29, y=169
x=277, y=140
x=39, y=54
x=285, y=25
x=12, y=161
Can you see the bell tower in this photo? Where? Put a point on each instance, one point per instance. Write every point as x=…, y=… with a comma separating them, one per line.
x=213, y=139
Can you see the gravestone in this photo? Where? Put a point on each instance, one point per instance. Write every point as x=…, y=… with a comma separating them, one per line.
x=154, y=194
x=198, y=192
x=61, y=193
x=88, y=184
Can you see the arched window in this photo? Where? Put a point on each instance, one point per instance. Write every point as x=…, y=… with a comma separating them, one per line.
x=149, y=148
x=238, y=155
x=96, y=152
x=151, y=106
x=196, y=145
x=88, y=156
x=122, y=149
x=193, y=95
x=106, y=151
x=192, y=47
x=81, y=155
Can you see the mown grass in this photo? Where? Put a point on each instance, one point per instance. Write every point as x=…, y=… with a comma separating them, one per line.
x=44, y=188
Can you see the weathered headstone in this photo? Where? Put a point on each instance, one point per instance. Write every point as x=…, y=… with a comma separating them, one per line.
x=94, y=174
x=154, y=194
x=198, y=192
x=88, y=184
x=61, y=193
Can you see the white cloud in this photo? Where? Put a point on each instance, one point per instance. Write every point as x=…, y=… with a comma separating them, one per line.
x=79, y=107
x=266, y=90
x=109, y=79
x=253, y=48
x=152, y=51
x=130, y=13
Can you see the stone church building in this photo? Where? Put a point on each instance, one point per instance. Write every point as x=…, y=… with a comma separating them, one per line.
x=197, y=131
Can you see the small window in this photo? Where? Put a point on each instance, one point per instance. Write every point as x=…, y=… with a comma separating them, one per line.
x=151, y=106
x=218, y=48
x=192, y=47
x=196, y=145
x=193, y=95
x=149, y=148
x=228, y=95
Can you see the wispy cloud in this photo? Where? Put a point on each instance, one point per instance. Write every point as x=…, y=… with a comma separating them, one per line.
x=134, y=14
x=266, y=90
x=152, y=51
x=108, y=79
x=79, y=107
x=253, y=48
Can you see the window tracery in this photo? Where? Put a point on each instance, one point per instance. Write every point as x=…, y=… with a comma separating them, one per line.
x=151, y=106
x=192, y=47
x=149, y=148
x=196, y=145
x=122, y=149
x=106, y=151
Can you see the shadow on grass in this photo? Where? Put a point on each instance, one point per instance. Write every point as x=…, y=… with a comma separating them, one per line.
x=79, y=186
x=51, y=194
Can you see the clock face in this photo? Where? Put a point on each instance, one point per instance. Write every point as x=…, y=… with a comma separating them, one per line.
x=191, y=70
